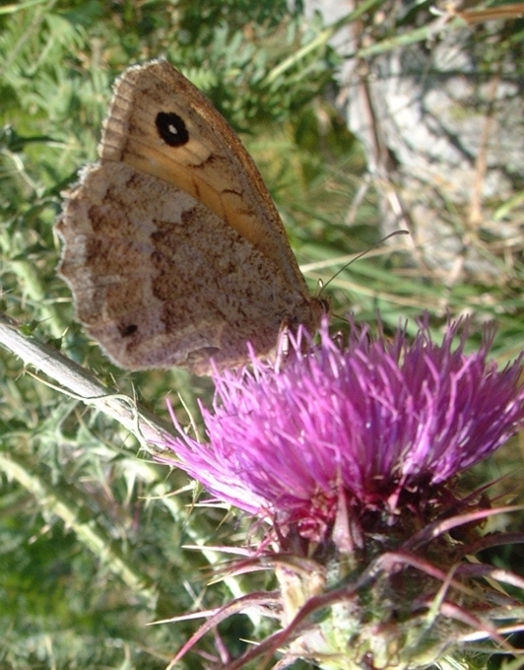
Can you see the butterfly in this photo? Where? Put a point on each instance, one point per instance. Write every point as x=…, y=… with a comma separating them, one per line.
x=173, y=248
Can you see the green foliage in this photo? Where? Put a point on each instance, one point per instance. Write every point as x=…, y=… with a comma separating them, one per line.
x=90, y=539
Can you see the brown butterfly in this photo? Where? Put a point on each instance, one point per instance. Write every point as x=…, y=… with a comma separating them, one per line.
x=173, y=248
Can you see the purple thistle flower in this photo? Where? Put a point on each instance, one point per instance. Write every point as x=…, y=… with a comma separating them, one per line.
x=367, y=420
x=347, y=451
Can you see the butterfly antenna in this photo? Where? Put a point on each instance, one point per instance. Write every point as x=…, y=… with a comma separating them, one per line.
x=362, y=253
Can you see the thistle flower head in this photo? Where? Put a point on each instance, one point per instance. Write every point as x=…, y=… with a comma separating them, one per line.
x=366, y=420
x=348, y=451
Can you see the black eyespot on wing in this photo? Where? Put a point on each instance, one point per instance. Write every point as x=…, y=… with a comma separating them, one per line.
x=126, y=331
x=171, y=129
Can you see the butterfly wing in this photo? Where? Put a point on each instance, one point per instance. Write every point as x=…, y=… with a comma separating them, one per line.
x=160, y=280
x=161, y=124
x=173, y=248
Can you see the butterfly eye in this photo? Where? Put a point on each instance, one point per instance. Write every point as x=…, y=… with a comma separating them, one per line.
x=171, y=129
x=324, y=304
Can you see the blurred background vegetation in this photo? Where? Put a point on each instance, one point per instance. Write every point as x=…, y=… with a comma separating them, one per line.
x=91, y=539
